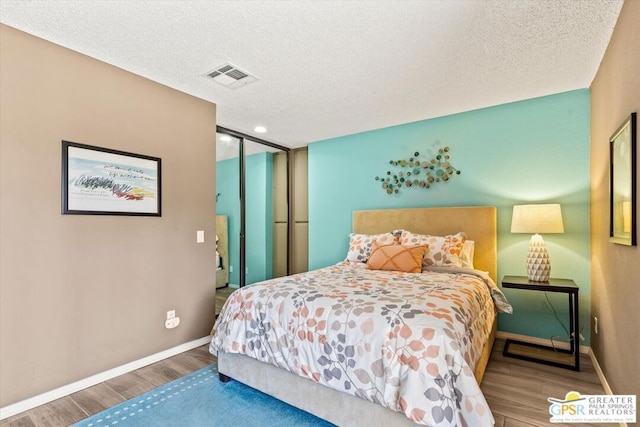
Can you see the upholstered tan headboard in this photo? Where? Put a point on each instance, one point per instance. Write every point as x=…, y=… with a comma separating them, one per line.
x=478, y=222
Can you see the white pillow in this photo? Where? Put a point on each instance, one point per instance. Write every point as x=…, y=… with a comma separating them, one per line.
x=444, y=251
x=468, y=249
x=360, y=245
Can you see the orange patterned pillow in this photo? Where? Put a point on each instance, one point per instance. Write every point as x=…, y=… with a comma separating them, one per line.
x=396, y=257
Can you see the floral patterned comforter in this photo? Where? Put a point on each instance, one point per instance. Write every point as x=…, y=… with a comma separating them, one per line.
x=407, y=341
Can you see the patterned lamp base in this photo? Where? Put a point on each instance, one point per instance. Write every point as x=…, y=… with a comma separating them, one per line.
x=538, y=264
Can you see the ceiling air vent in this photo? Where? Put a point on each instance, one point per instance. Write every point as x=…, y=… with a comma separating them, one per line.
x=231, y=76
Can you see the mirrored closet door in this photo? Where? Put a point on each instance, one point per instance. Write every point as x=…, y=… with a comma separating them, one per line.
x=266, y=207
x=252, y=205
x=227, y=210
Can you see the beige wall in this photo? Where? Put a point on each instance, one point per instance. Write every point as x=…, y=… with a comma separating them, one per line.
x=82, y=294
x=615, y=269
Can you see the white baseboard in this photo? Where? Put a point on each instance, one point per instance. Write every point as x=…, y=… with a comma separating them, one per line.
x=596, y=367
x=540, y=341
x=41, y=399
x=602, y=378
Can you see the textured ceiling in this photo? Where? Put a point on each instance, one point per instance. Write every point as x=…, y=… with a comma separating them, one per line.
x=331, y=68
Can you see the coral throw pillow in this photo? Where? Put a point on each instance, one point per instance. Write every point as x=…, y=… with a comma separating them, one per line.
x=396, y=258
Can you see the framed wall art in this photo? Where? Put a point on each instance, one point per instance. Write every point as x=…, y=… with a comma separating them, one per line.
x=101, y=181
x=622, y=181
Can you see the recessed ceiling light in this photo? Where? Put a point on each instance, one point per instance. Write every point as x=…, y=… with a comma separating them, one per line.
x=225, y=138
x=260, y=129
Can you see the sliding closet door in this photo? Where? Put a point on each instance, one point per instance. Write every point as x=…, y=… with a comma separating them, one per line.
x=253, y=194
x=280, y=214
x=259, y=212
x=299, y=254
x=228, y=206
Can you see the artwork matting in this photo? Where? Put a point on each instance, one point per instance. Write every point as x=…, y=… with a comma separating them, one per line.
x=102, y=181
x=623, y=183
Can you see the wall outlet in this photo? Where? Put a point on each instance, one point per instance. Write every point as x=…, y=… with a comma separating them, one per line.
x=172, y=323
x=231, y=269
x=171, y=314
x=595, y=324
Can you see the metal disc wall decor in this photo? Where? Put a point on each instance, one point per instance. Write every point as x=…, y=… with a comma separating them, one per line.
x=415, y=172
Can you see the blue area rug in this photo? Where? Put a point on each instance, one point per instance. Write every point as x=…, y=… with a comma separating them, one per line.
x=200, y=399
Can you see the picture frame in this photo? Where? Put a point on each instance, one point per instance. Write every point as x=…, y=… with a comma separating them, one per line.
x=102, y=181
x=623, y=183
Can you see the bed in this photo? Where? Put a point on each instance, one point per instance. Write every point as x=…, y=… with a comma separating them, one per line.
x=368, y=371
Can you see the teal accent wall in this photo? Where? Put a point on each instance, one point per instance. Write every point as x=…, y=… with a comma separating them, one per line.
x=533, y=151
x=258, y=210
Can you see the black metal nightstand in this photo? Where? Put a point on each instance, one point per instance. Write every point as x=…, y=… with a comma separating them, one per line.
x=540, y=353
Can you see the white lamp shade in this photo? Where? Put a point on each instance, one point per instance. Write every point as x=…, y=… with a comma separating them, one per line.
x=537, y=219
x=534, y=219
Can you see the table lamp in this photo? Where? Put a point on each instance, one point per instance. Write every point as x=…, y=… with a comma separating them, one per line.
x=537, y=219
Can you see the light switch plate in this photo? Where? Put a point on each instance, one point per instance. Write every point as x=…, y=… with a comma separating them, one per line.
x=200, y=236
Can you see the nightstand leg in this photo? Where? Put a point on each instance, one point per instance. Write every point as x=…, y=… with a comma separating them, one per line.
x=572, y=331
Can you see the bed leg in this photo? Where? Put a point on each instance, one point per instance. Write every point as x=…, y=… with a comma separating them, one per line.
x=224, y=378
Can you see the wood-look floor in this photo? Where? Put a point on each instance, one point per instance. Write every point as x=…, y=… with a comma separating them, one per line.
x=516, y=390
x=77, y=406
